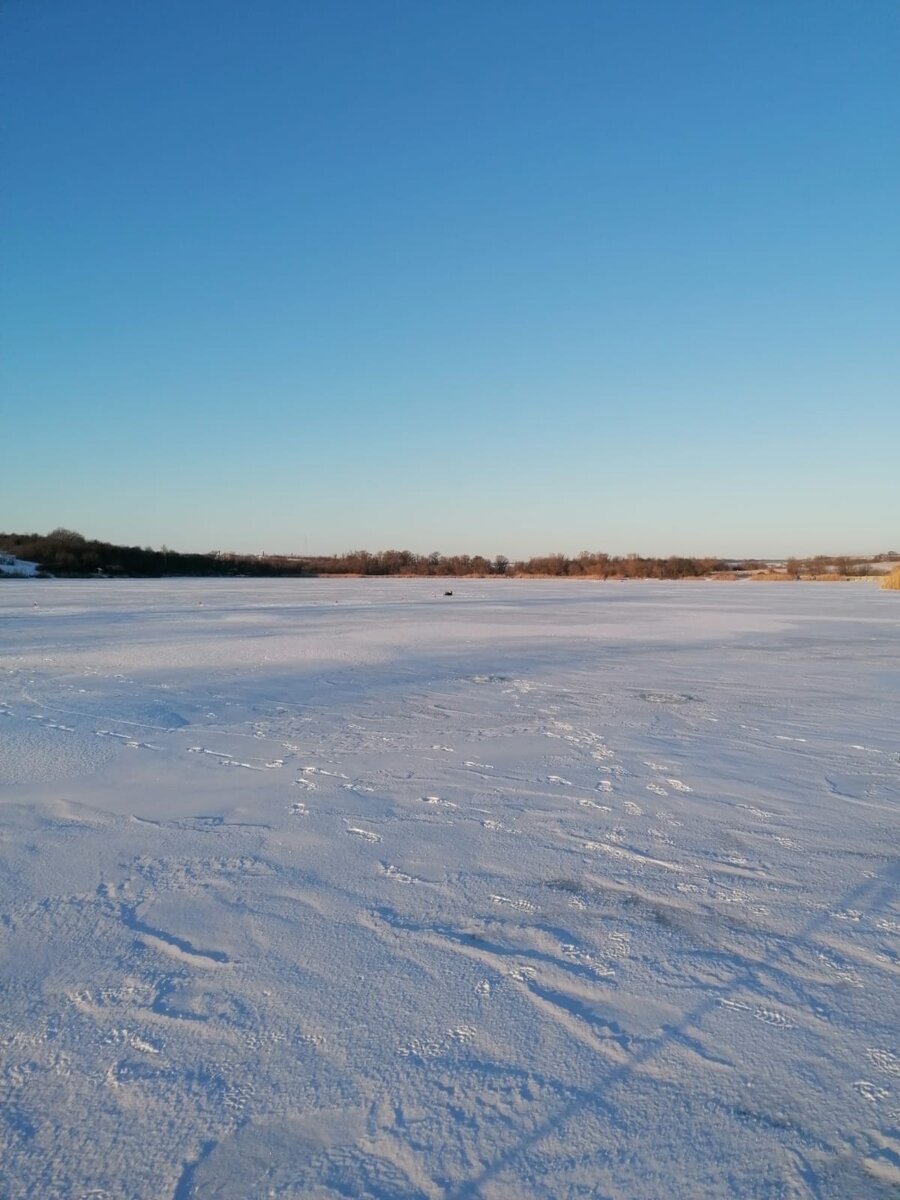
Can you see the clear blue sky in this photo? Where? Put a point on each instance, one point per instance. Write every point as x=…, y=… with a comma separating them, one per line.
x=489, y=275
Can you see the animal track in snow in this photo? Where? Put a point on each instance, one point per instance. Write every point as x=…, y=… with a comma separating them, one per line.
x=224, y=760
x=769, y=1016
x=870, y=1091
x=844, y=973
x=313, y=1039
x=678, y=785
x=734, y=1005
x=559, y=779
x=656, y=789
x=621, y=852
x=425, y=1048
x=592, y=804
x=358, y=788
x=129, y=741
x=762, y=814
x=620, y=944
x=437, y=800
x=575, y=954
x=884, y=1060
x=299, y=809
x=367, y=835
x=397, y=875
x=633, y=809
x=605, y=785
x=478, y=765
x=48, y=724
x=237, y=1097
x=463, y=1033
x=116, y=1036
x=518, y=905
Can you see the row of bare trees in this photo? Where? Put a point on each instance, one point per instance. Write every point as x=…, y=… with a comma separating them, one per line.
x=65, y=552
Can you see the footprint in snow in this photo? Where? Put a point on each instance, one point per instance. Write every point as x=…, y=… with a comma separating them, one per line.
x=659, y=835
x=678, y=785
x=884, y=1060
x=394, y=873
x=870, y=1091
x=130, y=742
x=437, y=800
x=592, y=804
x=770, y=1017
x=365, y=834
x=518, y=905
x=435, y=1048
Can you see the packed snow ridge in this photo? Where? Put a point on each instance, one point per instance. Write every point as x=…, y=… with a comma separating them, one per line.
x=344, y=888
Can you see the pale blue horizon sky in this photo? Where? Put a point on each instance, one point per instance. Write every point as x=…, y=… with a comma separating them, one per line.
x=496, y=277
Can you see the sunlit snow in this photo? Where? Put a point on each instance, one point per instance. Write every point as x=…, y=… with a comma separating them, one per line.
x=322, y=888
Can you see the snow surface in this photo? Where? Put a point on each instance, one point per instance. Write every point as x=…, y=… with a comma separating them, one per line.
x=321, y=888
x=10, y=565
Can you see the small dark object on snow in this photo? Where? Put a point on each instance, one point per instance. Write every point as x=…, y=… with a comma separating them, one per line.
x=448, y=593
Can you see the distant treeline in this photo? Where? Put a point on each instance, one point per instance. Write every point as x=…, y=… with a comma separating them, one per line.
x=587, y=564
x=63, y=552
x=67, y=553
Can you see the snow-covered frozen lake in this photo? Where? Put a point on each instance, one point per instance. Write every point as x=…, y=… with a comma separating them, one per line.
x=320, y=888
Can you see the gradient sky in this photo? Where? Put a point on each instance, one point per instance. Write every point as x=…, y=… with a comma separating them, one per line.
x=486, y=276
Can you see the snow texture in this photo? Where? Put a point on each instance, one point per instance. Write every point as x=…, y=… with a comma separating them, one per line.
x=322, y=888
x=10, y=565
